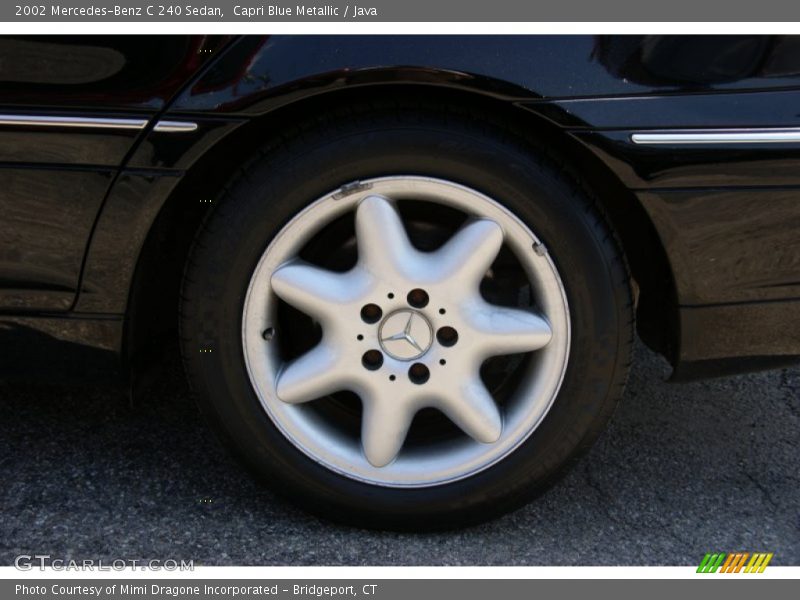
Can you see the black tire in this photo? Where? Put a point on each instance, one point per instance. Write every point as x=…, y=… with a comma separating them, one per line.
x=320, y=156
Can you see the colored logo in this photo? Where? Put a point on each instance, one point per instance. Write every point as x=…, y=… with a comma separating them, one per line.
x=735, y=562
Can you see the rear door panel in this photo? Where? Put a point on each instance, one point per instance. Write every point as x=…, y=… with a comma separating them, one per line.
x=53, y=180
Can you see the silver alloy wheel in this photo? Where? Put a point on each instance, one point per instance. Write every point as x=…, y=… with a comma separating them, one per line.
x=424, y=345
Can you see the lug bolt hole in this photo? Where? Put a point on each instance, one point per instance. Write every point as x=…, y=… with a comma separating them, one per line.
x=442, y=311
x=417, y=298
x=268, y=334
x=447, y=336
x=418, y=373
x=371, y=313
x=372, y=360
x=359, y=337
x=392, y=377
x=390, y=295
x=442, y=362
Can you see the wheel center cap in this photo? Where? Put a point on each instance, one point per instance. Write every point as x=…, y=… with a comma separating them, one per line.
x=405, y=334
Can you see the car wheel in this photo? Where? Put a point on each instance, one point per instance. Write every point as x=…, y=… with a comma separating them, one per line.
x=406, y=317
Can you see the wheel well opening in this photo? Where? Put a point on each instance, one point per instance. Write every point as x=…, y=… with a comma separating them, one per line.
x=152, y=316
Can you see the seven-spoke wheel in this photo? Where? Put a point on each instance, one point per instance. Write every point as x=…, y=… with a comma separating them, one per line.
x=407, y=330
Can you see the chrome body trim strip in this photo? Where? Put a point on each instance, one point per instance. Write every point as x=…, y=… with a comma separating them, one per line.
x=175, y=126
x=722, y=136
x=82, y=122
x=95, y=123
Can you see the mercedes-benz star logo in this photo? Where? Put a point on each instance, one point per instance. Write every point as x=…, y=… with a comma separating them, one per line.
x=405, y=335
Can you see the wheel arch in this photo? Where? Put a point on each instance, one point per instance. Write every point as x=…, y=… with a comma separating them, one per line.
x=151, y=315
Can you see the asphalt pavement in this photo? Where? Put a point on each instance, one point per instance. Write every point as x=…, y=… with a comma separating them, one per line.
x=683, y=469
